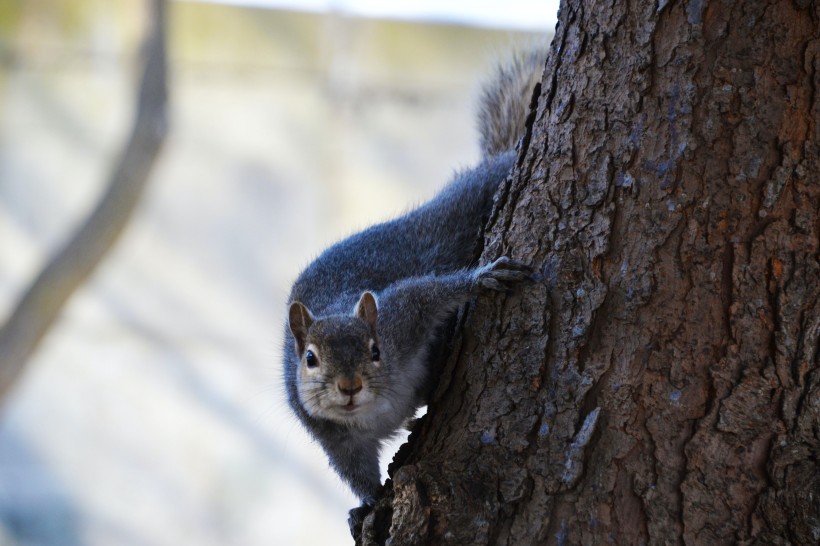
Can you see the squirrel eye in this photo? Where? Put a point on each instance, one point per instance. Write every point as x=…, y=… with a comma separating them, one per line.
x=375, y=354
x=311, y=359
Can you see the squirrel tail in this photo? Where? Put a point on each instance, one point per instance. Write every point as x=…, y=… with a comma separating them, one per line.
x=505, y=100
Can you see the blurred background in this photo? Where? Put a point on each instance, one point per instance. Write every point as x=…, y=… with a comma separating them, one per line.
x=153, y=413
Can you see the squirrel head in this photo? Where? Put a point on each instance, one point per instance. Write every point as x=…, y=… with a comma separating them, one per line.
x=340, y=374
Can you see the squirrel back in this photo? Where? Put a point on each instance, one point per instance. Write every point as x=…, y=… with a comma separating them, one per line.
x=363, y=317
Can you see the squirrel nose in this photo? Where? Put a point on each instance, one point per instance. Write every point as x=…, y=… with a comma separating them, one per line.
x=349, y=387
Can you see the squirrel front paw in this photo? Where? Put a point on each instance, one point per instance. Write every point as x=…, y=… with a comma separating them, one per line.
x=501, y=274
x=355, y=517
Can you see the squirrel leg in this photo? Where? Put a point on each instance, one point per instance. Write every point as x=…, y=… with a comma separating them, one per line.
x=357, y=463
x=412, y=309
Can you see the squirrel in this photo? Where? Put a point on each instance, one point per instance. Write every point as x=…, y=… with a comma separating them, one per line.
x=363, y=317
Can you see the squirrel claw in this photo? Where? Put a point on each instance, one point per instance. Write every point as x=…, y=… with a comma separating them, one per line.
x=355, y=518
x=503, y=272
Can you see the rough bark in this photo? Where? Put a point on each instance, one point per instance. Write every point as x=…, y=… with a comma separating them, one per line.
x=73, y=264
x=662, y=386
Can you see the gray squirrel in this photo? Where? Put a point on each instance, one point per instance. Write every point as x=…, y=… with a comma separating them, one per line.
x=364, y=316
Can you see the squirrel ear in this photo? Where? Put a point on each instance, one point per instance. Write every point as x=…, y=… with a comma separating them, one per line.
x=367, y=310
x=299, y=320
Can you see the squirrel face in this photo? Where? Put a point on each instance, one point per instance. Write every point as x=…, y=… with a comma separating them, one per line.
x=340, y=363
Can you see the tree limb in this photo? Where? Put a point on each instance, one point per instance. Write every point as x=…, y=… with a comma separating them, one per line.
x=73, y=264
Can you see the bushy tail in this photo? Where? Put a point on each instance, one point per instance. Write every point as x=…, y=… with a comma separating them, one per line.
x=505, y=100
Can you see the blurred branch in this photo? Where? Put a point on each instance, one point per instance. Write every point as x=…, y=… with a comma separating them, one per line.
x=73, y=264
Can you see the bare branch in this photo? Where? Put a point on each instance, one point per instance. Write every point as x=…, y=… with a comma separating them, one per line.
x=73, y=264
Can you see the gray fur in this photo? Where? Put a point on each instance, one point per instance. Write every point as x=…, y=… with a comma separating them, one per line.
x=505, y=100
x=420, y=270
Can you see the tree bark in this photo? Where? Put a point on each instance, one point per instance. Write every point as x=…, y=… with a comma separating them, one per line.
x=73, y=264
x=662, y=386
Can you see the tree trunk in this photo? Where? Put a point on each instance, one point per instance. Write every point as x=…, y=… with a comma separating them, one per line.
x=662, y=385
